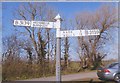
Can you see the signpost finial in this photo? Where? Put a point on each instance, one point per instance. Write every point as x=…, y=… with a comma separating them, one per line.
x=58, y=17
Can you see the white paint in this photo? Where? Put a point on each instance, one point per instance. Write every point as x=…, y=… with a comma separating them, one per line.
x=43, y=24
x=58, y=24
x=58, y=49
x=75, y=33
x=37, y=24
x=22, y=23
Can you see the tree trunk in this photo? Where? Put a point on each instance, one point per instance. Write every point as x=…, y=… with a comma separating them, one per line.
x=66, y=46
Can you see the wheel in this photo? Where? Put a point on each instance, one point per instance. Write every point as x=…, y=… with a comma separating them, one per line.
x=117, y=78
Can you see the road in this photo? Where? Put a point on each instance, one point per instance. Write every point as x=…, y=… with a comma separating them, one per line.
x=70, y=77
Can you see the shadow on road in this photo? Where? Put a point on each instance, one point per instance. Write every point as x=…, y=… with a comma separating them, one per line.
x=90, y=80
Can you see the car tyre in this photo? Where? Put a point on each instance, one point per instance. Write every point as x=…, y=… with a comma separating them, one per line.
x=117, y=78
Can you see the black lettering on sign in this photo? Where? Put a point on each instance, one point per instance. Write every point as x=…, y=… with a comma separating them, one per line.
x=86, y=32
x=80, y=33
x=92, y=32
x=27, y=23
x=95, y=31
x=16, y=22
x=21, y=22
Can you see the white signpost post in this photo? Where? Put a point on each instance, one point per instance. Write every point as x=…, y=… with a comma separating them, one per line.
x=58, y=50
x=59, y=34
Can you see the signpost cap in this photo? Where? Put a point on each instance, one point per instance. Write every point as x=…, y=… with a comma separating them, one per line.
x=58, y=18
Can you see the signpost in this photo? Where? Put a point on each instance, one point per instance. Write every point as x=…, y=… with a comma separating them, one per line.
x=58, y=50
x=21, y=23
x=38, y=24
x=59, y=34
x=43, y=24
x=75, y=33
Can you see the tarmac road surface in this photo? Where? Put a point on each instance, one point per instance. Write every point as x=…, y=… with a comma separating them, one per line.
x=70, y=77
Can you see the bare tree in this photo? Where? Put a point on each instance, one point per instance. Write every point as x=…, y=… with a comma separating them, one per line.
x=10, y=54
x=66, y=43
x=27, y=46
x=50, y=15
x=66, y=52
x=102, y=19
x=11, y=48
x=41, y=12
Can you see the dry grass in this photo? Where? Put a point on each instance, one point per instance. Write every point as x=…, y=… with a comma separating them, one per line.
x=21, y=70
